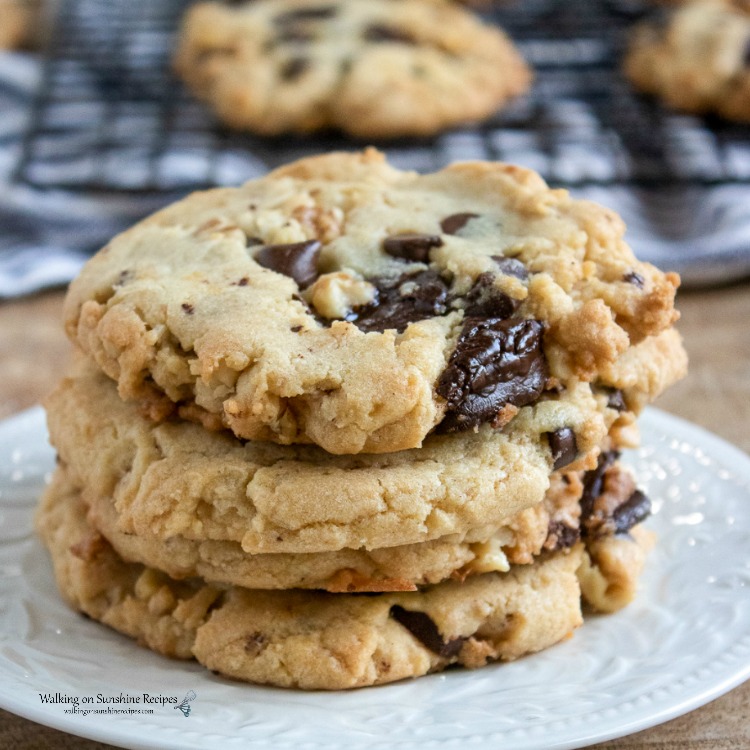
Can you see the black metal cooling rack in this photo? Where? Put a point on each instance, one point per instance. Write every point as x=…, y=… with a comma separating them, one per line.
x=110, y=115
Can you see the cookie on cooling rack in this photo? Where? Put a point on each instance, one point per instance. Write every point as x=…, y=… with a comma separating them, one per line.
x=342, y=302
x=306, y=639
x=696, y=57
x=372, y=68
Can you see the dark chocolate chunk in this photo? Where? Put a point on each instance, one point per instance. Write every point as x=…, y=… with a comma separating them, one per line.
x=426, y=632
x=298, y=260
x=615, y=399
x=403, y=300
x=255, y=643
x=456, y=222
x=564, y=536
x=634, y=510
x=496, y=362
x=378, y=32
x=294, y=68
x=316, y=13
x=290, y=34
x=593, y=483
x=635, y=279
x=485, y=300
x=511, y=267
x=563, y=445
x=188, y=308
x=414, y=247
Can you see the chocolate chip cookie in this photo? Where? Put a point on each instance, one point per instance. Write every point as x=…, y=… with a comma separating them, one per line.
x=598, y=506
x=311, y=640
x=372, y=68
x=341, y=302
x=696, y=57
x=177, y=479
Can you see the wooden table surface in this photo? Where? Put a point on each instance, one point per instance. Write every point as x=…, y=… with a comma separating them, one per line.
x=716, y=395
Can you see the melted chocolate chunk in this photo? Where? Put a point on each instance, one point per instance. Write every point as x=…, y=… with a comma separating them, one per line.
x=593, y=483
x=496, y=362
x=635, y=279
x=615, y=399
x=426, y=632
x=403, y=300
x=563, y=445
x=298, y=260
x=511, y=267
x=294, y=68
x=485, y=300
x=378, y=32
x=316, y=13
x=414, y=247
x=564, y=536
x=456, y=222
x=634, y=510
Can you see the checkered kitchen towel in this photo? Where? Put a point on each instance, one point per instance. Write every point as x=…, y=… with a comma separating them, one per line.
x=115, y=119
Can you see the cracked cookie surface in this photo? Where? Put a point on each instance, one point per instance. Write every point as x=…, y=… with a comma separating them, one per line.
x=342, y=302
x=696, y=57
x=312, y=640
x=176, y=478
x=373, y=68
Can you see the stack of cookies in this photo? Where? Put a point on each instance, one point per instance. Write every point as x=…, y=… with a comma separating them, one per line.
x=346, y=424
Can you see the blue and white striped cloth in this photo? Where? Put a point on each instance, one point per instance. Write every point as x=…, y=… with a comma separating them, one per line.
x=46, y=235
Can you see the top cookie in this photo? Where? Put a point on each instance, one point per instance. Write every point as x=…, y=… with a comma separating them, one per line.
x=342, y=302
x=696, y=57
x=373, y=68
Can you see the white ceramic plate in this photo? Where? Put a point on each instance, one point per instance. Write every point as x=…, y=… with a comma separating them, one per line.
x=685, y=641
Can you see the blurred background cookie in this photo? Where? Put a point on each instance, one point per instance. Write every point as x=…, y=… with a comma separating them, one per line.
x=371, y=68
x=696, y=58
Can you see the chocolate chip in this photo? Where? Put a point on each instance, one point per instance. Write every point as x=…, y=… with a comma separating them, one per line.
x=295, y=329
x=255, y=643
x=298, y=260
x=294, y=34
x=561, y=536
x=634, y=510
x=485, y=300
x=315, y=13
x=615, y=399
x=377, y=32
x=422, y=627
x=593, y=483
x=496, y=362
x=635, y=279
x=564, y=447
x=511, y=267
x=746, y=55
x=244, y=281
x=253, y=241
x=294, y=68
x=403, y=300
x=456, y=222
x=188, y=308
x=414, y=247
